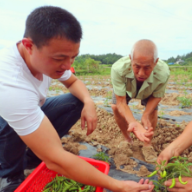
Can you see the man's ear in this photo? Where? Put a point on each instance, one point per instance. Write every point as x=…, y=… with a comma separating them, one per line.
x=27, y=43
x=129, y=56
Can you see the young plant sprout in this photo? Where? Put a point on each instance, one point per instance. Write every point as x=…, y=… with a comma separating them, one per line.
x=101, y=156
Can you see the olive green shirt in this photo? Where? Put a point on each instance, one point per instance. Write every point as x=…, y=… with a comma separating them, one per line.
x=123, y=80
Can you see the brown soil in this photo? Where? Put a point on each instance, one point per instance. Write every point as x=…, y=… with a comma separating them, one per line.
x=108, y=134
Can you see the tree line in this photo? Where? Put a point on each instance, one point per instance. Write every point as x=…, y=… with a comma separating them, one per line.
x=93, y=63
x=187, y=58
x=109, y=58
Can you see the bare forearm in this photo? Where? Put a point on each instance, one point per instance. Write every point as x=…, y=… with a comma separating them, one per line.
x=125, y=111
x=79, y=170
x=79, y=90
x=151, y=105
x=184, y=140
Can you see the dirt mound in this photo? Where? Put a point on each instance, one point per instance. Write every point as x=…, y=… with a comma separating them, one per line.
x=178, y=113
x=108, y=134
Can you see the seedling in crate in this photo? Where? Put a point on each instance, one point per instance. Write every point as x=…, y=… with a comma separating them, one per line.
x=63, y=184
x=178, y=167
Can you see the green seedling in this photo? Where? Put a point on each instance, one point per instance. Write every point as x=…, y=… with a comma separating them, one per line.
x=101, y=156
x=106, y=102
x=185, y=102
x=109, y=95
x=178, y=167
x=161, y=114
x=50, y=88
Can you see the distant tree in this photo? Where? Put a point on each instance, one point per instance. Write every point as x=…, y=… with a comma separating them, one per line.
x=186, y=58
x=92, y=65
x=104, y=59
x=86, y=63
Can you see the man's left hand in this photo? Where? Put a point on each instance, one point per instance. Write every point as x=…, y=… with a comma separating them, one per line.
x=141, y=133
x=89, y=115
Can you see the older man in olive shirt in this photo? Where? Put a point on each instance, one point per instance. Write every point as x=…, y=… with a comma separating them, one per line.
x=143, y=76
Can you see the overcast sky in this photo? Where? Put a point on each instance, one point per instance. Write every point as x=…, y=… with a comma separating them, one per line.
x=112, y=26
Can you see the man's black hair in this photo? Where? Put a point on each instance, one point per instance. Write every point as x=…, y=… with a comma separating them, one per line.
x=47, y=22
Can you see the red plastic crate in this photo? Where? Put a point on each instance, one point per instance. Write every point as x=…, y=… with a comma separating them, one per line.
x=37, y=180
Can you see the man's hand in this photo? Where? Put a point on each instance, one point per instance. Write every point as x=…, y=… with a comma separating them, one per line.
x=141, y=133
x=145, y=122
x=89, y=115
x=141, y=186
x=180, y=187
x=167, y=153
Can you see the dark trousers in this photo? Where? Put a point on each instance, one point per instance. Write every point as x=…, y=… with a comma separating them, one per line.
x=63, y=112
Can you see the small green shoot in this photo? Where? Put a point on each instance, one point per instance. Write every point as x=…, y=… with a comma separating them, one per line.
x=101, y=156
x=185, y=102
x=106, y=102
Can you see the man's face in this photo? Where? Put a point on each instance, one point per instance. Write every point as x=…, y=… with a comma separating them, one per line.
x=142, y=66
x=53, y=59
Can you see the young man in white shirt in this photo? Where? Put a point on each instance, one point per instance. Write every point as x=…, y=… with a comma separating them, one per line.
x=50, y=44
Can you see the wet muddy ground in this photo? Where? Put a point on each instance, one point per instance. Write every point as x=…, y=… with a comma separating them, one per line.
x=172, y=119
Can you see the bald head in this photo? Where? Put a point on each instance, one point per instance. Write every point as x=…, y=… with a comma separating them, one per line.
x=145, y=48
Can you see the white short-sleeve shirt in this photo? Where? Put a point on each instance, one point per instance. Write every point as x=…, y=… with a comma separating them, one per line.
x=21, y=94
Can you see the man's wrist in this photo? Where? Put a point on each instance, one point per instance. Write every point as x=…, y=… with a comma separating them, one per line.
x=88, y=100
x=116, y=185
x=133, y=121
x=146, y=114
x=175, y=149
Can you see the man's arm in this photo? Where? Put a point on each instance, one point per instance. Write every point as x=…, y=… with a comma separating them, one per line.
x=124, y=109
x=150, y=115
x=79, y=90
x=184, y=140
x=151, y=105
x=46, y=144
x=178, y=145
x=133, y=126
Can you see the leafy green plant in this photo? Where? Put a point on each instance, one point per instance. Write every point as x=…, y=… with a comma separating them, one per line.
x=101, y=156
x=178, y=167
x=185, y=102
x=109, y=95
x=106, y=102
x=50, y=88
x=161, y=114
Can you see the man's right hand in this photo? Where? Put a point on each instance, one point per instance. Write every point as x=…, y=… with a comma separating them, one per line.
x=141, y=186
x=139, y=131
x=167, y=153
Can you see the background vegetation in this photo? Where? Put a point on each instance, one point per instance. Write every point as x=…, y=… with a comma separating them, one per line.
x=101, y=64
x=95, y=64
x=186, y=58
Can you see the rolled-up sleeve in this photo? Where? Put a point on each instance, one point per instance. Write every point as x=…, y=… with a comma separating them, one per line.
x=118, y=83
x=160, y=90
